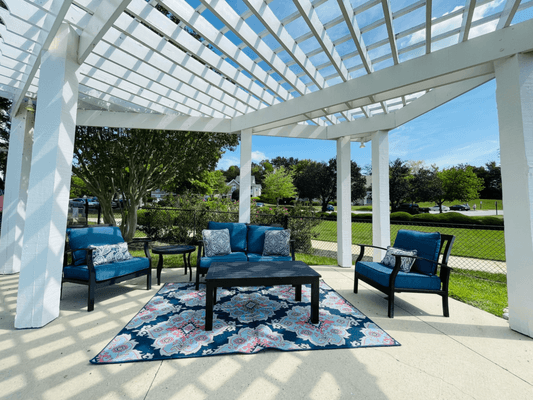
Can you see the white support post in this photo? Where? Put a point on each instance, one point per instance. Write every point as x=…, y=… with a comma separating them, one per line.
x=514, y=96
x=344, y=202
x=49, y=183
x=380, y=192
x=245, y=186
x=16, y=189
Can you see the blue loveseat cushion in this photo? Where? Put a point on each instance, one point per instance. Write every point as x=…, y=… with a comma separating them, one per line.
x=380, y=273
x=427, y=246
x=80, y=238
x=237, y=234
x=106, y=271
x=205, y=262
x=252, y=257
x=256, y=237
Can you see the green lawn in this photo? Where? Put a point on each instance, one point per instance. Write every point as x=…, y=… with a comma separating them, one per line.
x=481, y=204
x=488, y=245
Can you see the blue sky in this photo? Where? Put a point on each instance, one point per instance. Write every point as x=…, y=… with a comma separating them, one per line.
x=464, y=130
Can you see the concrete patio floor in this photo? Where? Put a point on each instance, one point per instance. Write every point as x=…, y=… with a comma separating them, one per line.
x=471, y=355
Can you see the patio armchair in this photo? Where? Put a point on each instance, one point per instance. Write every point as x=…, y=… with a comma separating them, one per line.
x=411, y=265
x=98, y=256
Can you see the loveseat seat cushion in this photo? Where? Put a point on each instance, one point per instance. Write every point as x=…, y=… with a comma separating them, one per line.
x=80, y=238
x=106, y=271
x=253, y=257
x=205, y=262
x=237, y=233
x=256, y=237
x=427, y=246
x=380, y=274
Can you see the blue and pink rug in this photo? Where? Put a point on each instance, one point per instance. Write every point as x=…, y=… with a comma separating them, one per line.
x=246, y=320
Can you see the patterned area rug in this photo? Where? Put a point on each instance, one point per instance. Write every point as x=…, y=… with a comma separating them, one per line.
x=246, y=320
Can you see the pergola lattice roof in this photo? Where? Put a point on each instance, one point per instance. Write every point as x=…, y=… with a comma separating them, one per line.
x=278, y=67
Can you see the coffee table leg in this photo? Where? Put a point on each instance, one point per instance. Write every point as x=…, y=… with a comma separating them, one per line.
x=298, y=292
x=315, y=295
x=209, y=306
x=159, y=268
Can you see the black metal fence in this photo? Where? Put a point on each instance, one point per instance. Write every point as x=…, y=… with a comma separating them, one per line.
x=476, y=248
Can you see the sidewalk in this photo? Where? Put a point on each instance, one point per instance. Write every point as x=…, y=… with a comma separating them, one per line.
x=471, y=355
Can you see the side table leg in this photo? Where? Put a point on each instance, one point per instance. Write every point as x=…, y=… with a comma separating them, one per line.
x=159, y=268
x=209, y=306
x=189, y=264
x=315, y=296
x=184, y=264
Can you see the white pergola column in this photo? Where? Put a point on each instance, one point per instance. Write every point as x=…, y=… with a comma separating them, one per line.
x=380, y=192
x=245, y=186
x=16, y=188
x=344, y=202
x=514, y=96
x=49, y=183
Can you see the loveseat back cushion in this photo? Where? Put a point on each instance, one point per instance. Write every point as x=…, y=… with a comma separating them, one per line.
x=107, y=271
x=427, y=246
x=277, y=243
x=80, y=238
x=237, y=233
x=205, y=262
x=252, y=257
x=256, y=237
x=216, y=242
x=380, y=274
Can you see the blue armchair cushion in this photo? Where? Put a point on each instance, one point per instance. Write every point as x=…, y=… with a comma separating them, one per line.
x=277, y=243
x=216, y=242
x=98, y=236
x=237, y=233
x=107, y=271
x=110, y=253
x=252, y=257
x=427, y=246
x=380, y=274
x=256, y=237
x=205, y=262
x=406, y=262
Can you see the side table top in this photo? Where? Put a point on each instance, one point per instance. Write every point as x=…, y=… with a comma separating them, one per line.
x=173, y=249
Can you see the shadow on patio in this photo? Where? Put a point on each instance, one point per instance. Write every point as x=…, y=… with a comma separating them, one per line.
x=472, y=354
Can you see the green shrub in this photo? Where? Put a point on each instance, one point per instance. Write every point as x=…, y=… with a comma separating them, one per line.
x=401, y=216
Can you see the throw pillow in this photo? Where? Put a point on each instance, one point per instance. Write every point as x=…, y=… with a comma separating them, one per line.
x=216, y=242
x=406, y=263
x=277, y=243
x=110, y=253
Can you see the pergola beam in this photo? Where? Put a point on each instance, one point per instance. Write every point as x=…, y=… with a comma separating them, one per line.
x=422, y=71
x=103, y=18
x=508, y=13
x=468, y=14
x=53, y=21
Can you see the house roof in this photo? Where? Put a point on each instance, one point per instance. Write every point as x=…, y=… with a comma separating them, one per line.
x=317, y=69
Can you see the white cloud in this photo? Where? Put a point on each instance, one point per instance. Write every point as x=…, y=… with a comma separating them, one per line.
x=227, y=161
x=258, y=156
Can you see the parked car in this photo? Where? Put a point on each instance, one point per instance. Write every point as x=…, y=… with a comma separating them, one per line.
x=460, y=207
x=260, y=204
x=412, y=208
x=436, y=208
x=76, y=203
x=330, y=208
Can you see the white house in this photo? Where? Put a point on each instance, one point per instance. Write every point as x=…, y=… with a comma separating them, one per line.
x=255, y=190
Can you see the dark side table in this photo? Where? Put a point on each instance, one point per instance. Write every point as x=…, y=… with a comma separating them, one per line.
x=184, y=249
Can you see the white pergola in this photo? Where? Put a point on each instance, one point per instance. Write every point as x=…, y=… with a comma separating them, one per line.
x=342, y=70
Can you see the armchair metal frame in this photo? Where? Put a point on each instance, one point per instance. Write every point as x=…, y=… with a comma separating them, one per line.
x=446, y=243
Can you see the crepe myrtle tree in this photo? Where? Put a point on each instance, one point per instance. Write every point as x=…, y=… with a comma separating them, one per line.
x=132, y=162
x=278, y=184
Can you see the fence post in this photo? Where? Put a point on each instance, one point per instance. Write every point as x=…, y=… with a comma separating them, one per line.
x=195, y=229
x=99, y=213
x=285, y=221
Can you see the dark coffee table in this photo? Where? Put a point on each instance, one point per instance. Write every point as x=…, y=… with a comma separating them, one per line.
x=184, y=249
x=272, y=273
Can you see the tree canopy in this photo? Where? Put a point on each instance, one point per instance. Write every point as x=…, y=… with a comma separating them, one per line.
x=278, y=185
x=131, y=162
x=5, y=128
x=399, y=185
x=460, y=184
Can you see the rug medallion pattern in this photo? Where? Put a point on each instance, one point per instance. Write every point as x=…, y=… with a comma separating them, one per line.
x=246, y=320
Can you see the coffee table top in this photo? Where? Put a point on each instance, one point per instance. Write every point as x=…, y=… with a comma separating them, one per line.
x=173, y=249
x=266, y=269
